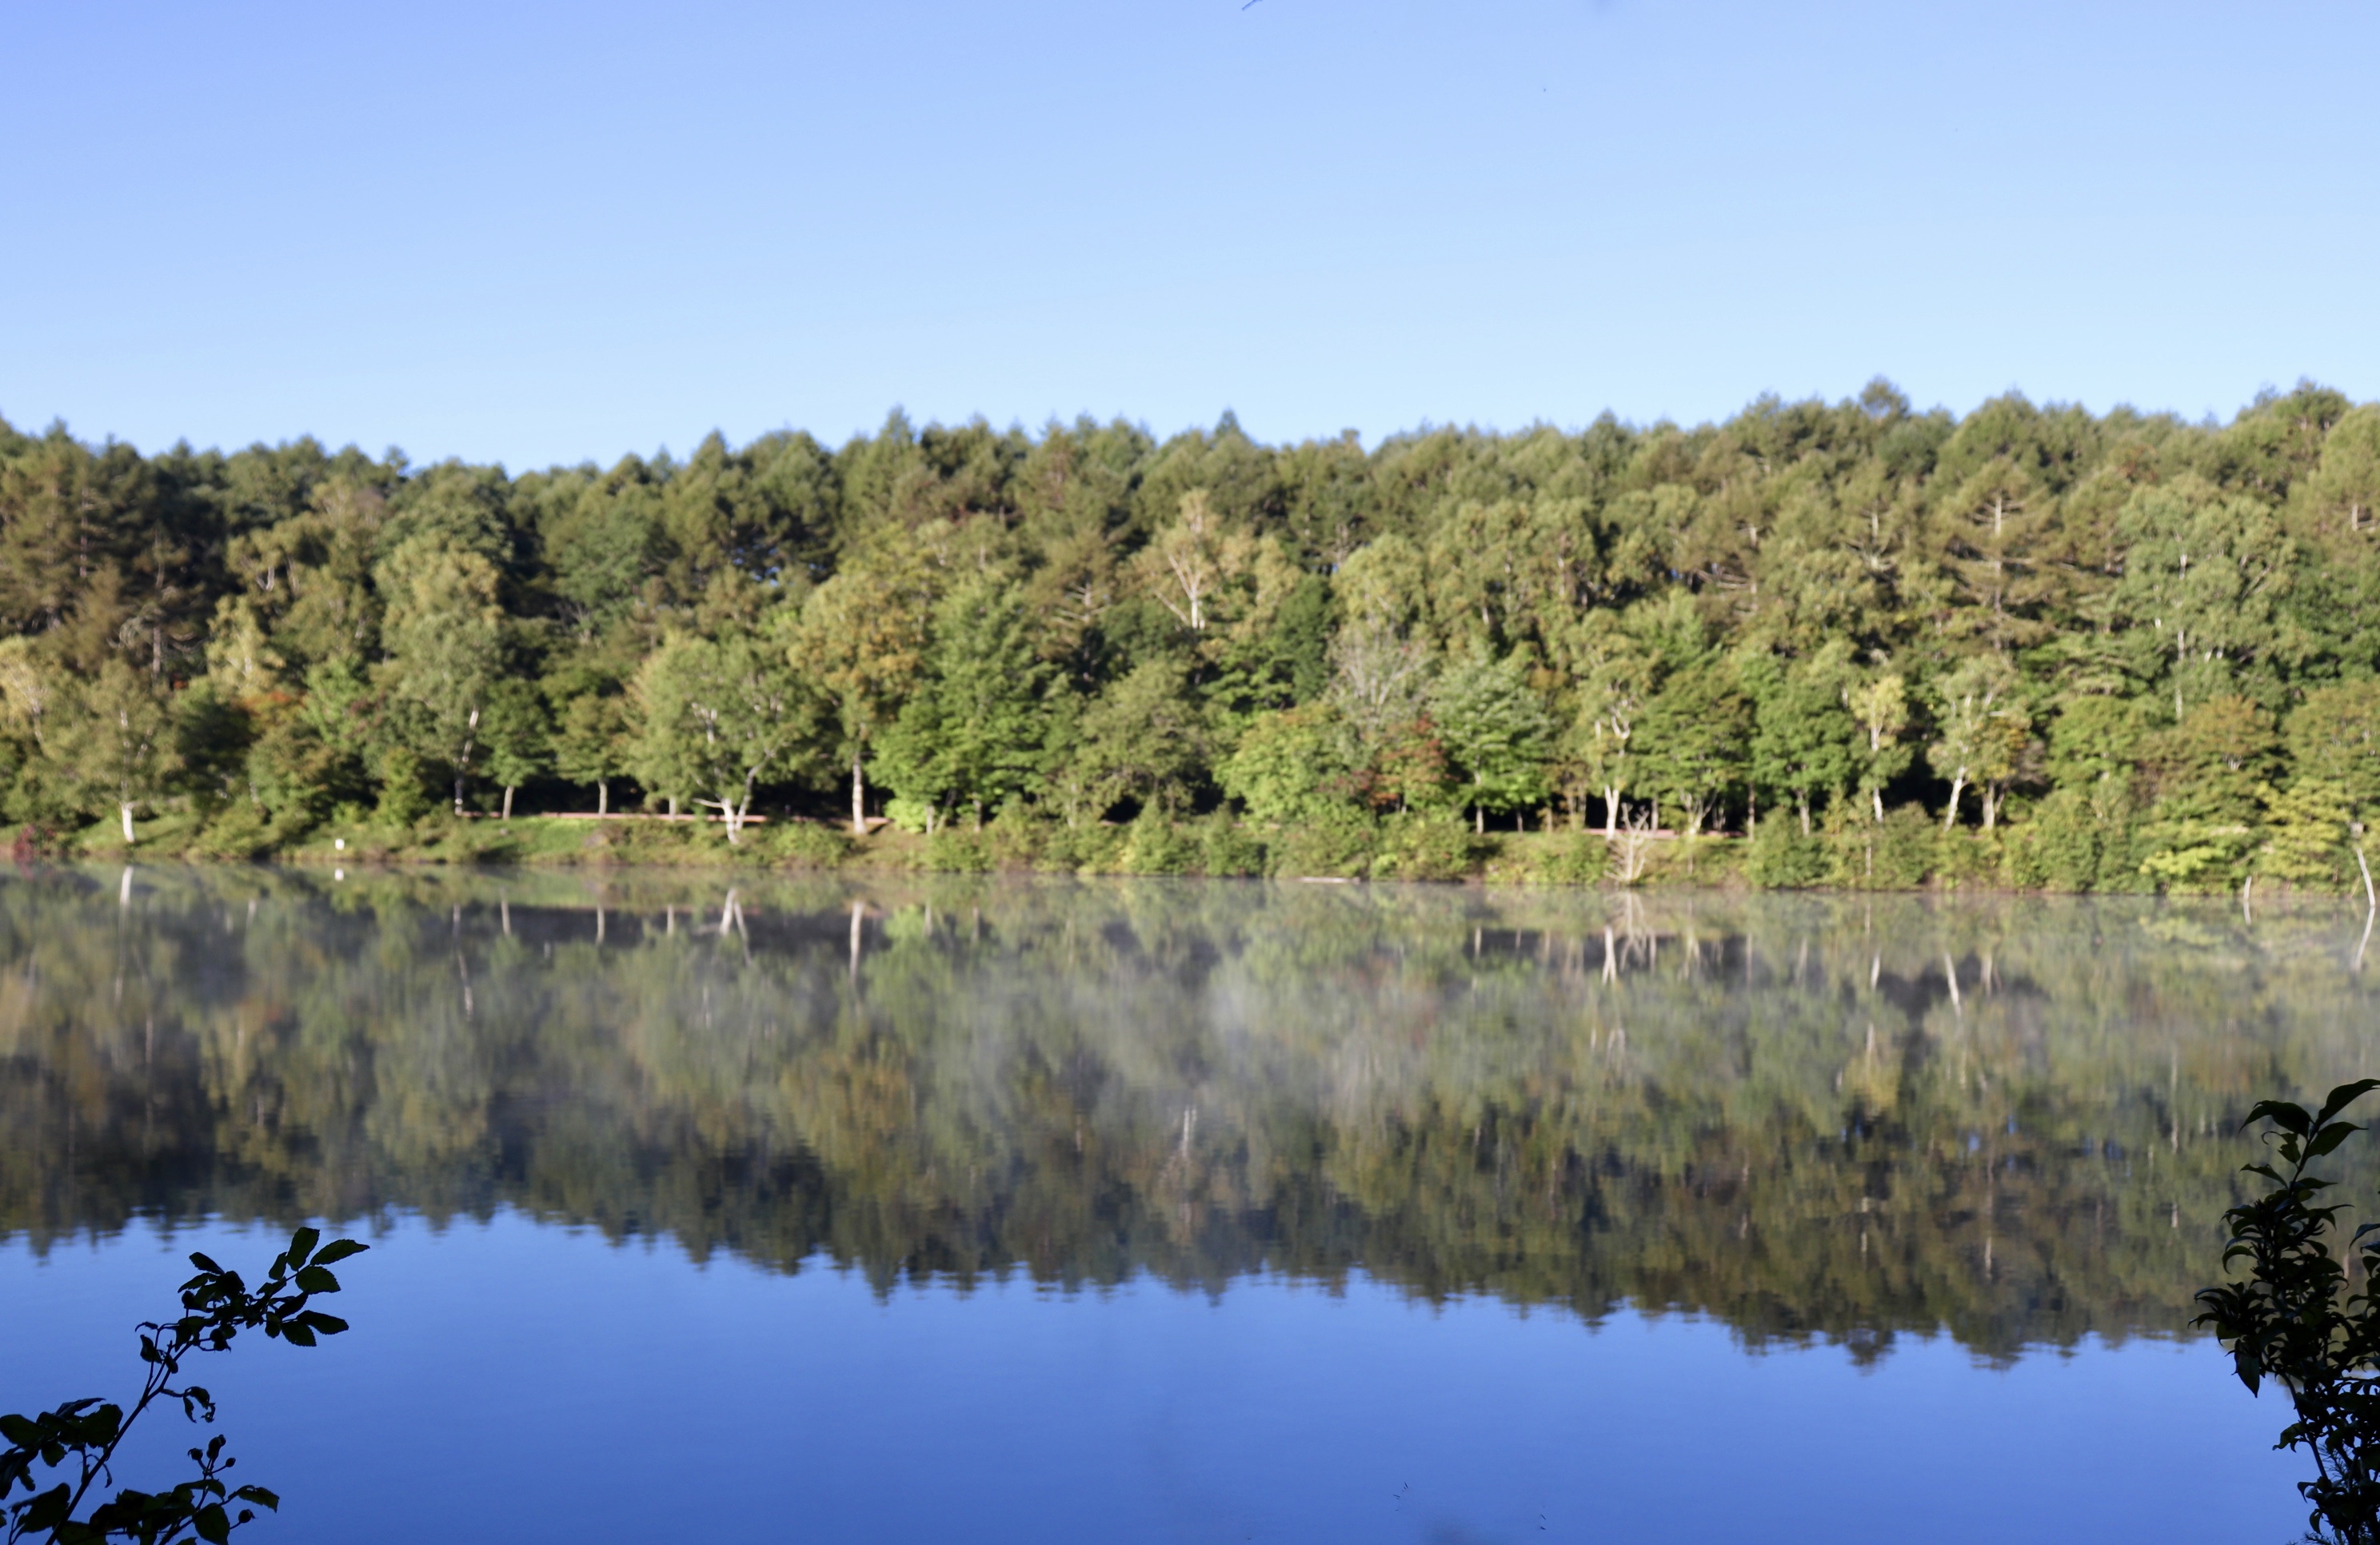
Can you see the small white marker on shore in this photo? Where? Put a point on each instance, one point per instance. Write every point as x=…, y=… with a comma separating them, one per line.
x=338, y=844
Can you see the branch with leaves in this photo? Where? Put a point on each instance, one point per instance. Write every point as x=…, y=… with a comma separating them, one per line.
x=73, y=1447
x=2292, y=1319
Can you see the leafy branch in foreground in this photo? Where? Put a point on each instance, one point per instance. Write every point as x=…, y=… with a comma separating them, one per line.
x=2294, y=1322
x=77, y=1442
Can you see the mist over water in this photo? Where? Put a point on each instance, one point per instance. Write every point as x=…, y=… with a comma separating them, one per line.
x=1341, y=1130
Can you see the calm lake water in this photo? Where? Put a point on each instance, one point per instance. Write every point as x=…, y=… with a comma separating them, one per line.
x=1007, y=1210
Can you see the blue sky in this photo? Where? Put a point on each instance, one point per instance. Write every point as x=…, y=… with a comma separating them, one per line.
x=542, y=233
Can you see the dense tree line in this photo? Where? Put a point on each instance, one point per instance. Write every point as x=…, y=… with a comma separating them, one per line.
x=1843, y=1118
x=2130, y=646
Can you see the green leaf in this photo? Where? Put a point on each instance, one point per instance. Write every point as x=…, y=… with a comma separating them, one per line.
x=293, y=1333
x=213, y=1526
x=19, y=1431
x=329, y=1324
x=338, y=1250
x=260, y=1496
x=205, y=1263
x=313, y=1279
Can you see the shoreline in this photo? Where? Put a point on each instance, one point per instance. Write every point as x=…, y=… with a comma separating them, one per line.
x=1907, y=853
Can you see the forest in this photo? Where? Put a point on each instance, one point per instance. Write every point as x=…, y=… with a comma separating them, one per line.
x=2032, y=647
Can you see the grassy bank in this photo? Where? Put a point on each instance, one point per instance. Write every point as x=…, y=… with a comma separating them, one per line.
x=1907, y=851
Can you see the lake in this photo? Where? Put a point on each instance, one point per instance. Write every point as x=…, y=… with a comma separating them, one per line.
x=1039, y=1211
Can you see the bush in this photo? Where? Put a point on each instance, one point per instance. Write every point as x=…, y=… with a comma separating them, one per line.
x=1580, y=858
x=1425, y=846
x=1017, y=839
x=1904, y=848
x=1780, y=858
x=1226, y=847
x=957, y=850
x=1155, y=845
x=1093, y=847
x=403, y=790
x=808, y=845
x=1333, y=843
x=2058, y=847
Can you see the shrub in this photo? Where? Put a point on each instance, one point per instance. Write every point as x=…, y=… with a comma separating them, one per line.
x=1155, y=845
x=1016, y=838
x=808, y=845
x=1780, y=858
x=1417, y=845
x=957, y=850
x=1333, y=843
x=1580, y=858
x=1226, y=847
x=1904, y=848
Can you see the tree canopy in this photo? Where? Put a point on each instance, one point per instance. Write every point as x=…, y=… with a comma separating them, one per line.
x=2146, y=628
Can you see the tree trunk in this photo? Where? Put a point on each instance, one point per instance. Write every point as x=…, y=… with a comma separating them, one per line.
x=458, y=797
x=1805, y=811
x=1610, y=811
x=1877, y=794
x=1991, y=805
x=508, y=802
x=858, y=796
x=125, y=809
x=602, y=797
x=1958, y=786
x=672, y=806
x=1479, y=820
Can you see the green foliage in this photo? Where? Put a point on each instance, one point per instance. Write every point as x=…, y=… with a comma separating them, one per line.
x=73, y=1446
x=1157, y=846
x=1286, y=766
x=1496, y=730
x=2294, y=1319
x=1424, y=844
x=1782, y=857
x=2310, y=833
x=1809, y=606
x=1227, y=848
x=1337, y=843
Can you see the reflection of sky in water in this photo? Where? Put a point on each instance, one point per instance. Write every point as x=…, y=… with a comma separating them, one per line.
x=511, y=1381
x=1897, y=1147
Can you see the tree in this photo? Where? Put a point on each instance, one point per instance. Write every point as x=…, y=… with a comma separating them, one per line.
x=2335, y=735
x=972, y=731
x=1614, y=681
x=592, y=743
x=446, y=637
x=862, y=639
x=1692, y=734
x=114, y=744
x=1879, y=705
x=1803, y=738
x=718, y=716
x=519, y=737
x=1285, y=764
x=1188, y=565
x=1145, y=737
x=1495, y=731
x=1982, y=729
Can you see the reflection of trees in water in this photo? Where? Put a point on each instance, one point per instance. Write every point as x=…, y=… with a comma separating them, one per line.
x=1847, y=1117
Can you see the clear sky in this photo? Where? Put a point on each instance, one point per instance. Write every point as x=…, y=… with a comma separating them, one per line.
x=537, y=233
